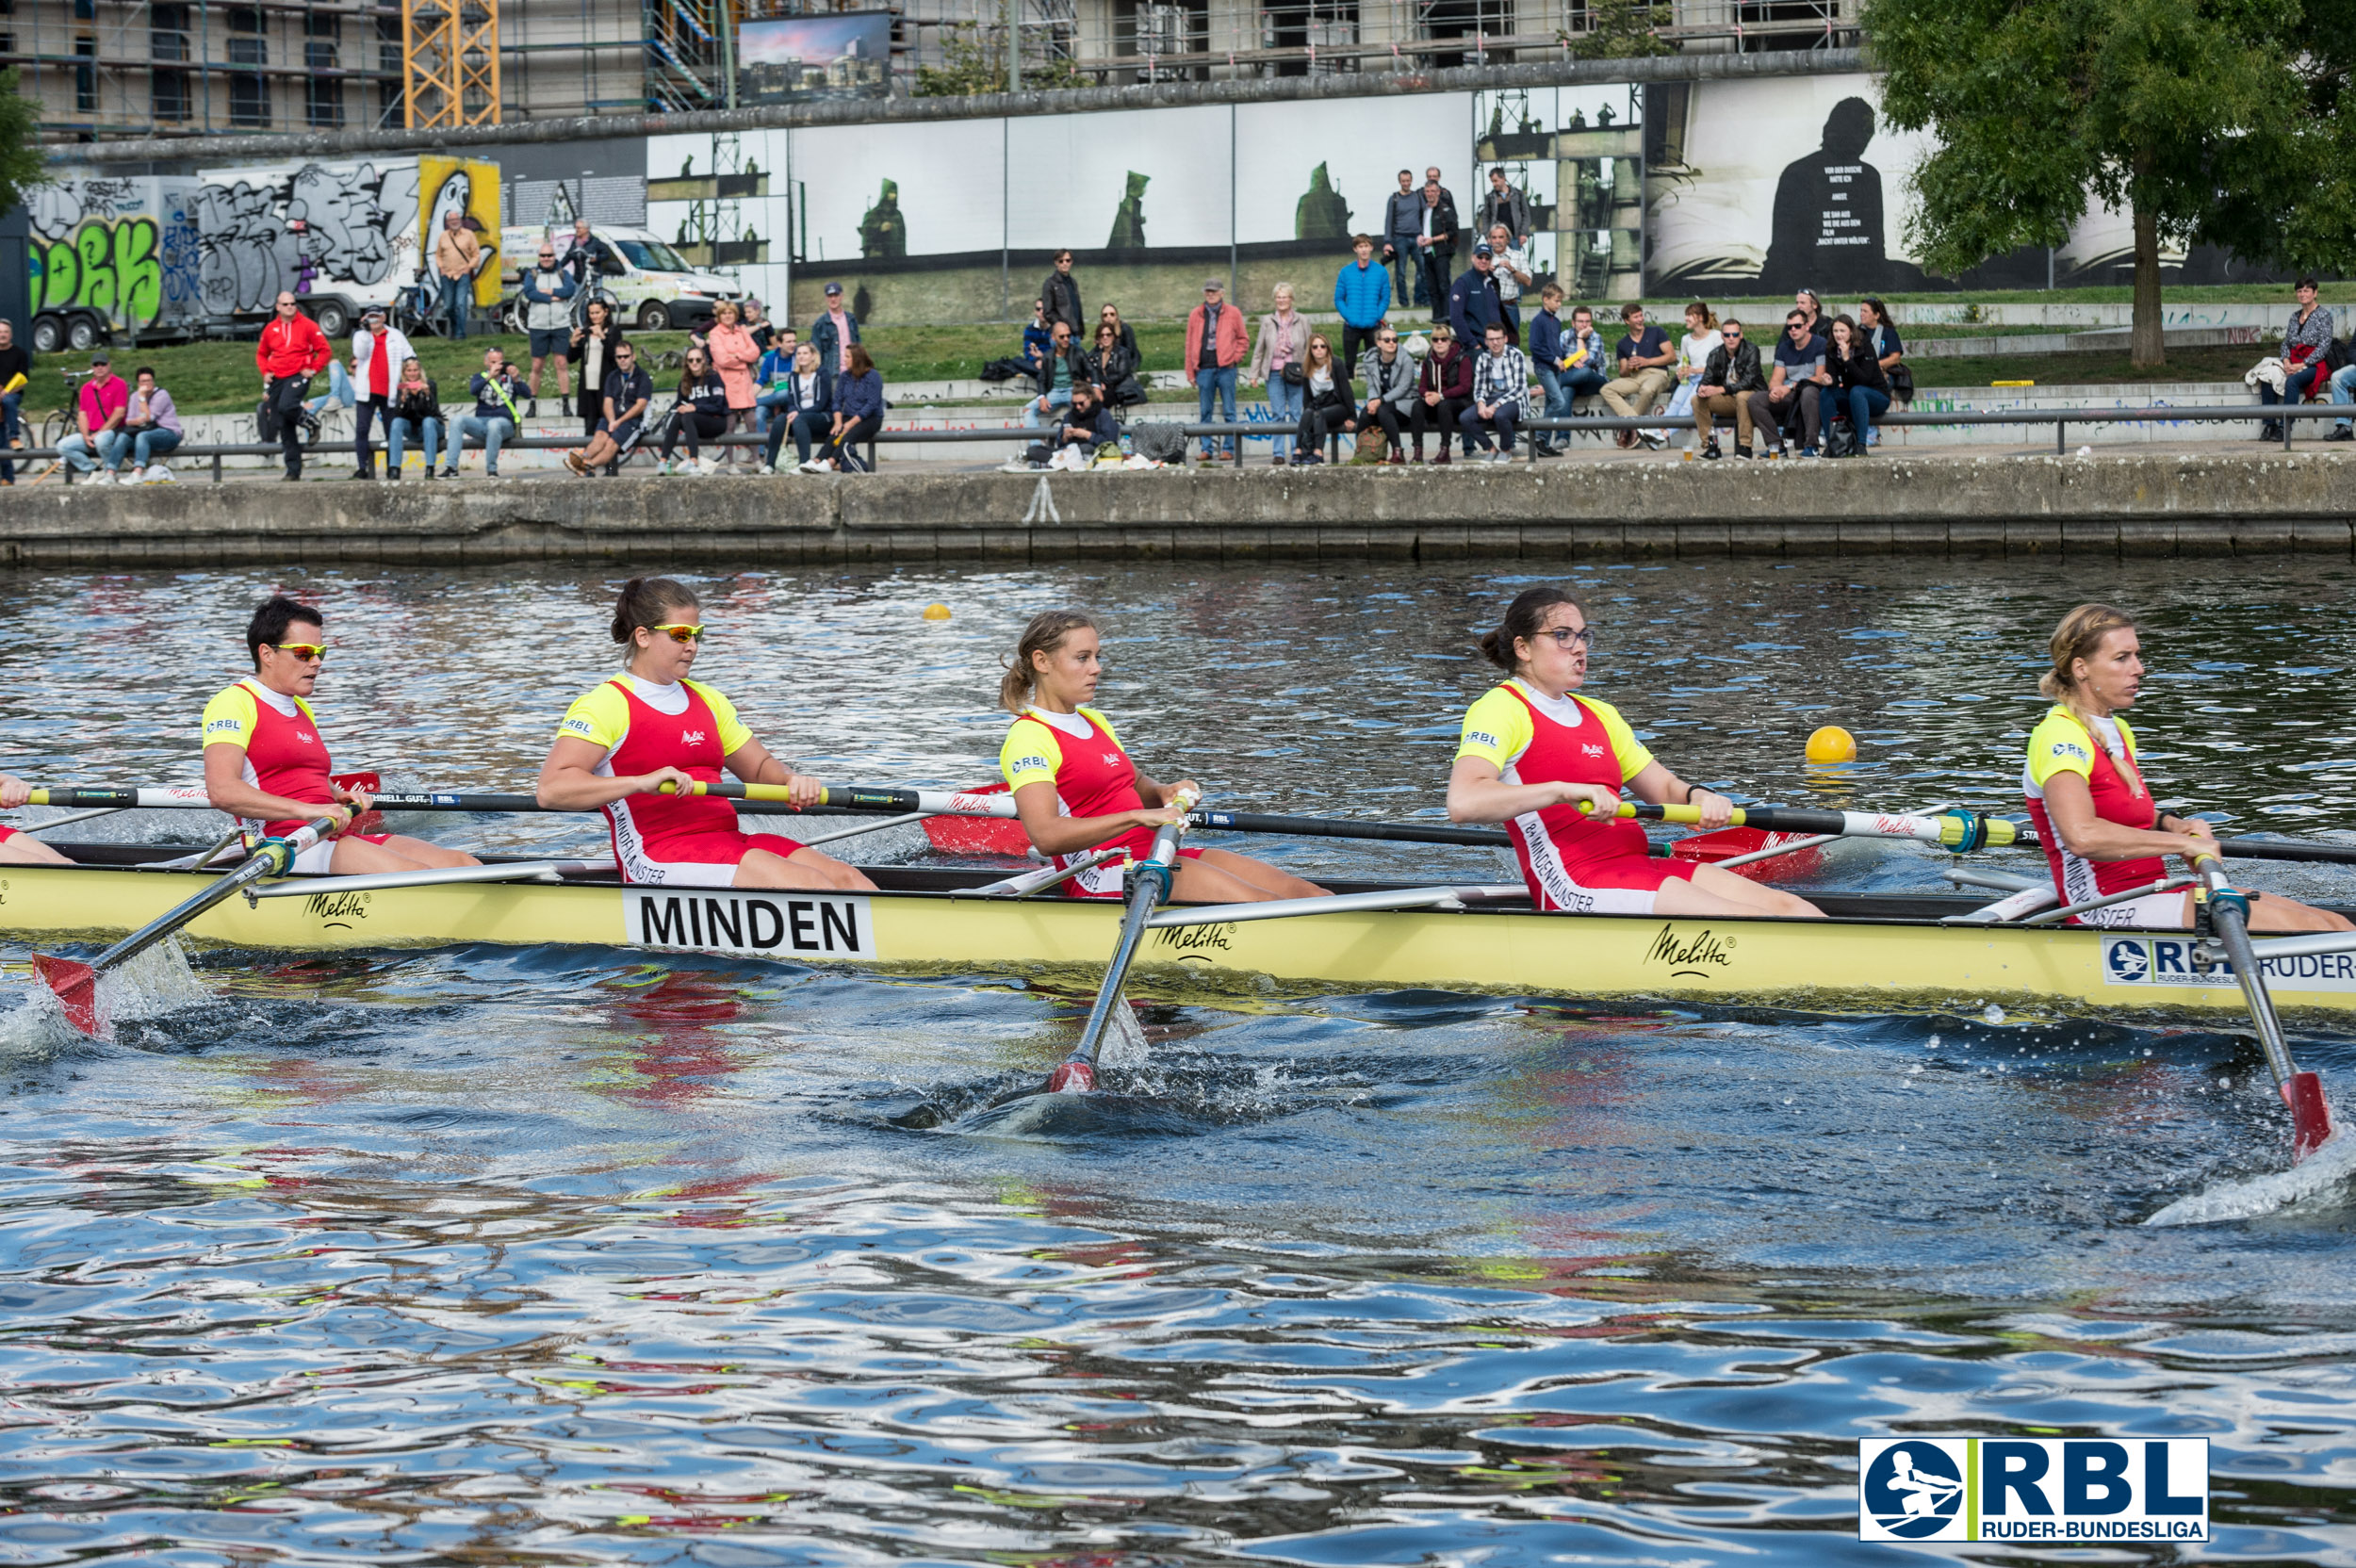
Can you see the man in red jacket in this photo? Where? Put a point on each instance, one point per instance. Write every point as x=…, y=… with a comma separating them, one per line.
x=291, y=352
x=1215, y=346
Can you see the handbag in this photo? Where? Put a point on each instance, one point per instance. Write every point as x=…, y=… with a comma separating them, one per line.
x=1841, y=439
x=1294, y=375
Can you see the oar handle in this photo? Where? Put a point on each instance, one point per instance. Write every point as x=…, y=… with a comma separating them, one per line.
x=1961, y=831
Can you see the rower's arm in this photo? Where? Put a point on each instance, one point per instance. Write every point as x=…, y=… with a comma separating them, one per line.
x=2070, y=807
x=226, y=788
x=1054, y=834
x=1661, y=787
x=752, y=763
x=1477, y=791
x=567, y=782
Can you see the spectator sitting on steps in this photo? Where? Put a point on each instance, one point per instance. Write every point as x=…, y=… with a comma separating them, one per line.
x=494, y=420
x=1442, y=386
x=1112, y=367
x=415, y=414
x=1089, y=423
x=805, y=414
x=1729, y=378
x=1388, y=374
x=150, y=429
x=1794, y=387
x=99, y=410
x=701, y=414
x=1065, y=370
x=1327, y=406
x=1644, y=357
x=1500, y=394
x=859, y=416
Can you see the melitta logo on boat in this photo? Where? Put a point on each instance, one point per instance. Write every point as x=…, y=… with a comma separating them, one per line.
x=2042, y=1489
x=766, y=924
x=2169, y=961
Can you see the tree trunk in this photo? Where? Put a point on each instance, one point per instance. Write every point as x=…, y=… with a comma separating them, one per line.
x=2147, y=348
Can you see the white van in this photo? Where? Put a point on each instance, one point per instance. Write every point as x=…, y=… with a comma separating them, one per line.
x=657, y=290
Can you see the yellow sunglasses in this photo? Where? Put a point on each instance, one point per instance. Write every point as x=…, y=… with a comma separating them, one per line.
x=307, y=652
x=679, y=633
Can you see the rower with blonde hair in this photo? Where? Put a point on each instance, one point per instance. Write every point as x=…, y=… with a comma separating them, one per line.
x=2102, y=831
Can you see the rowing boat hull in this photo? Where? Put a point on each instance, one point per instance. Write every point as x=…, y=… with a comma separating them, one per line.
x=1866, y=962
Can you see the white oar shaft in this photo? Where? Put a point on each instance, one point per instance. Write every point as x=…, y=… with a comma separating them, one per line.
x=1774, y=850
x=528, y=871
x=1284, y=908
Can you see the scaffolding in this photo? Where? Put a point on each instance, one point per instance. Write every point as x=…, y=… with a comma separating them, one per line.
x=450, y=63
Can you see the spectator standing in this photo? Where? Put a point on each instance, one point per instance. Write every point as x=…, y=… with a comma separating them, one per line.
x=415, y=415
x=1693, y=352
x=1327, y=406
x=1060, y=296
x=1509, y=266
x=1500, y=395
x=1442, y=387
x=1402, y=221
x=150, y=429
x=1506, y=206
x=836, y=333
x=1276, y=361
x=548, y=292
x=1215, y=346
x=1795, y=388
x=859, y=415
x=289, y=352
x=1644, y=357
x=625, y=396
x=1435, y=242
x=734, y=357
x=1728, y=381
x=1872, y=319
x=1362, y=298
x=806, y=413
x=16, y=373
x=1109, y=315
x=2306, y=345
x=589, y=259
x=99, y=410
x=457, y=258
x=596, y=343
x=1087, y=424
x=1112, y=367
x=1859, y=385
x=1387, y=376
x=1038, y=337
x=1065, y=367
x=494, y=420
x=377, y=353
x=1473, y=302
x=701, y=414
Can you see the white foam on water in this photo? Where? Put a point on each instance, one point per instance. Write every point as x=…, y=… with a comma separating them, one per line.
x=154, y=983
x=1123, y=1045
x=2327, y=1170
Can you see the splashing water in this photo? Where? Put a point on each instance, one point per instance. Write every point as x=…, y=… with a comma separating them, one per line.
x=2329, y=1168
x=150, y=985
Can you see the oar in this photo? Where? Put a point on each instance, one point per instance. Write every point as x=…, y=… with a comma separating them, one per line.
x=76, y=984
x=2228, y=912
x=181, y=797
x=1148, y=885
x=1958, y=830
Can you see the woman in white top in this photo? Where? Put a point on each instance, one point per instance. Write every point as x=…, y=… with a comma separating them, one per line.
x=1284, y=339
x=1327, y=403
x=1702, y=337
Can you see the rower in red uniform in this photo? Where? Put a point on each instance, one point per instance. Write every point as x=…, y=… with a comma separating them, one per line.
x=1532, y=753
x=2102, y=831
x=651, y=726
x=19, y=848
x=266, y=762
x=1077, y=788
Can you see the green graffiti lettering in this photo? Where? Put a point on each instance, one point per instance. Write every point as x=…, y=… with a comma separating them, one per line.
x=60, y=273
x=95, y=248
x=139, y=272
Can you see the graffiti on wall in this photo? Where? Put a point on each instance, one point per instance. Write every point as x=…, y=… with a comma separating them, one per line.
x=304, y=230
x=98, y=245
x=472, y=191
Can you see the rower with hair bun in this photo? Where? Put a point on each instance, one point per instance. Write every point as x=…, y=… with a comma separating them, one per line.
x=1534, y=754
x=650, y=727
x=1077, y=788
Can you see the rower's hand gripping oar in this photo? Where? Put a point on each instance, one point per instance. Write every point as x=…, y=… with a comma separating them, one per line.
x=76, y=984
x=2229, y=916
x=1149, y=887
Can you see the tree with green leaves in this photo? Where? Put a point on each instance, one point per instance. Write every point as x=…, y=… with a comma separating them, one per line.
x=974, y=60
x=23, y=165
x=2216, y=122
x=1616, y=31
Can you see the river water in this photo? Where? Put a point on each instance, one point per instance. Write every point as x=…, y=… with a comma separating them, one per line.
x=564, y=1256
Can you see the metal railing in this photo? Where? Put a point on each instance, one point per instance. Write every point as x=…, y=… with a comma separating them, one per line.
x=1195, y=431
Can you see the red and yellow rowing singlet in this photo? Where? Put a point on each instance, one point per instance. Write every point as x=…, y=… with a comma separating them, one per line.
x=279, y=737
x=2063, y=743
x=1083, y=757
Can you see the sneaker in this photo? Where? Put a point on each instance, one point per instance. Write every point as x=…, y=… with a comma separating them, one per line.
x=1744, y=453
x=665, y=468
x=104, y=476
x=1709, y=451
x=1809, y=451
x=1545, y=451
x=815, y=466
x=430, y=472
x=1653, y=438
x=137, y=476
x=1494, y=457
x=767, y=468
x=451, y=472
x=2341, y=432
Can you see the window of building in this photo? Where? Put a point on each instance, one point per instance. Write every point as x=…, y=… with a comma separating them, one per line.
x=171, y=89
x=323, y=96
x=86, y=76
x=168, y=31
x=388, y=94
x=249, y=91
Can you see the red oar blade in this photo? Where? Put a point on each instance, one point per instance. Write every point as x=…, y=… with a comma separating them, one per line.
x=2311, y=1114
x=1072, y=1077
x=977, y=834
x=77, y=986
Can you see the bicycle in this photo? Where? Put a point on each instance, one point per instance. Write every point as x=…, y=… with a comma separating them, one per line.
x=58, y=424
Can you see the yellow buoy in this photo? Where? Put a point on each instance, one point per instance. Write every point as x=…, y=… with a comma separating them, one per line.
x=1832, y=744
x=936, y=612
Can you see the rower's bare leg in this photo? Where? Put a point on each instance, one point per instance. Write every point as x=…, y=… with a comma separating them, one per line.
x=22, y=850
x=2272, y=913
x=1265, y=881
x=1712, y=891
x=805, y=868
x=359, y=857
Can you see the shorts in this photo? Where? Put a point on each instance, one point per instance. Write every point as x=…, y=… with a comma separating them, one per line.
x=1104, y=880
x=550, y=344
x=1620, y=884
x=2151, y=912
x=696, y=859
x=623, y=434
x=314, y=861
x=8, y=833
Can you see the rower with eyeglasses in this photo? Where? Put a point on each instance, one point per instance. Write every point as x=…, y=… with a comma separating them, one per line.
x=651, y=727
x=1550, y=765
x=266, y=762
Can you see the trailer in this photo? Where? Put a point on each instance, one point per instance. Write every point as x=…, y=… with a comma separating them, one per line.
x=113, y=258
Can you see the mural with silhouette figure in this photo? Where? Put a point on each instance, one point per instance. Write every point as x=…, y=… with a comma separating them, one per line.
x=1129, y=223
x=1322, y=214
x=1827, y=230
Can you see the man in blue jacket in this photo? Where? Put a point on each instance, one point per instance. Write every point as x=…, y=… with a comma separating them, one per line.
x=1362, y=296
x=832, y=334
x=1473, y=303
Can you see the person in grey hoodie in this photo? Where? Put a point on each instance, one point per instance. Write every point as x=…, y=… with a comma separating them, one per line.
x=1388, y=371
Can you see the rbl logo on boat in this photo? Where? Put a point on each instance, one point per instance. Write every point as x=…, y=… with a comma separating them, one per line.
x=2033, y=1489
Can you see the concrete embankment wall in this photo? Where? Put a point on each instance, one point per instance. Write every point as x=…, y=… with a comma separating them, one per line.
x=2104, y=506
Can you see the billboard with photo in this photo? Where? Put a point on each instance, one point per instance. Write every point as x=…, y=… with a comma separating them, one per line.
x=795, y=59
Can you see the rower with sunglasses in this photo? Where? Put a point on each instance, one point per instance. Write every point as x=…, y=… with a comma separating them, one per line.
x=1550, y=765
x=650, y=727
x=266, y=762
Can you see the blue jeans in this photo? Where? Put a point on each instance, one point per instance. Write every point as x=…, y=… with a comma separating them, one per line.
x=76, y=449
x=1558, y=384
x=2296, y=384
x=1864, y=402
x=1059, y=398
x=1220, y=384
x=490, y=432
x=1283, y=409
x=396, y=430
x=338, y=390
x=2342, y=391
x=458, y=303
x=8, y=425
x=1477, y=429
x=777, y=396
x=146, y=446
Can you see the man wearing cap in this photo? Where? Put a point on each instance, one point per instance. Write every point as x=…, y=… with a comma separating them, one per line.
x=548, y=292
x=378, y=353
x=832, y=335
x=289, y=352
x=1215, y=346
x=1473, y=301
x=98, y=414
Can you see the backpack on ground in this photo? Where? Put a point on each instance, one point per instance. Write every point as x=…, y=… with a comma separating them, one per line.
x=1158, y=440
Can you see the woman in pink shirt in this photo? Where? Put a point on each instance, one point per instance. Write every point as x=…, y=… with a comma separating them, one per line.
x=733, y=355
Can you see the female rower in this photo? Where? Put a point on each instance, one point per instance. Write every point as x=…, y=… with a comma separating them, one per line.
x=2102, y=831
x=651, y=726
x=1077, y=788
x=1533, y=755
x=17, y=847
